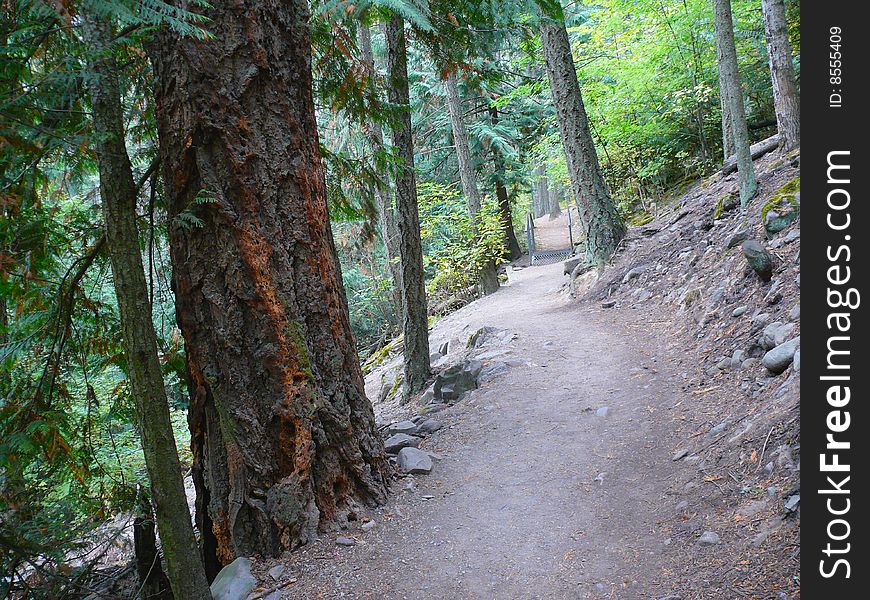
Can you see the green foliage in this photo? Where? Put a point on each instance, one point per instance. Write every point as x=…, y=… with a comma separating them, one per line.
x=456, y=249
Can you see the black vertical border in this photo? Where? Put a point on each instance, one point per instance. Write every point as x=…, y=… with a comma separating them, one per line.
x=825, y=129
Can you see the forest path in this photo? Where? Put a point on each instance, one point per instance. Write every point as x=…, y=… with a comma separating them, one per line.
x=535, y=494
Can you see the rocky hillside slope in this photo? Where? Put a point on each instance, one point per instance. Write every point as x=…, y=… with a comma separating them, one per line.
x=688, y=272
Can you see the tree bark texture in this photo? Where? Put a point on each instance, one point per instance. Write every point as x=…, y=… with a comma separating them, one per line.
x=727, y=128
x=386, y=216
x=729, y=83
x=599, y=218
x=283, y=436
x=118, y=196
x=488, y=276
x=153, y=582
x=512, y=246
x=555, y=196
x=415, y=319
x=542, y=193
x=785, y=96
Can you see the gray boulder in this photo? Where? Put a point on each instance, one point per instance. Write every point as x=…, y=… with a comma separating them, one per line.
x=487, y=335
x=396, y=442
x=758, y=258
x=234, y=582
x=402, y=427
x=414, y=460
x=777, y=360
x=429, y=426
x=775, y=334
x=491, y=371
x=571, y=264
x=452, y=383
x=738, y=237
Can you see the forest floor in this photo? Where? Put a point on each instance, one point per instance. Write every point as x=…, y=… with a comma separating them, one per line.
x=536, y=493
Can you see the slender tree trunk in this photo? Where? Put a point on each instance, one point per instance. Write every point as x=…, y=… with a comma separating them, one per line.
x=729, y=82
x=488, y=276
x=727, y=127
x=542, y=193
x=152, y=580
x=118, y=195
x=416, y=346
x=512, y=246
x=555, y=195
x=386, y=217
x=599, y=218
x=283, y=436
x=785, y=96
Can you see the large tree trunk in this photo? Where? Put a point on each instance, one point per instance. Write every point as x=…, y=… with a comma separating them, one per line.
x=386, y=216
x=416, y=325
x=729, y=83
x=283, y=436
x=512, y=246
x=601, y=223
x=118, y=195
x=488, y=277
x=785, y=96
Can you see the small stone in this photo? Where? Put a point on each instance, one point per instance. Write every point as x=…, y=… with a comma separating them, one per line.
x=783, y=333
x=234, y=581
x=276, y=572
x=406, y=427
x=792, y=502
x=345, y=541
x=709, y=538
x=396, y=442
x=679, y=454
x=369, y=525
x=738, y=237
x=429, y=426
x=604, y=411
x=683, y=505
x=719, y=428
x=434, y=407
x=796, y=363
x=777, y=360
x=608, y=303
x=758, y=258
x=428, y=396
x=760, y=321
x=795, y=313
x=737, y=359
x=413, y=460
x=792, y=235
x=739, y=311
x=635, y=273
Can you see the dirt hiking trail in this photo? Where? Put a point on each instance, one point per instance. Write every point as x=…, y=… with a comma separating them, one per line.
x=550, y=481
